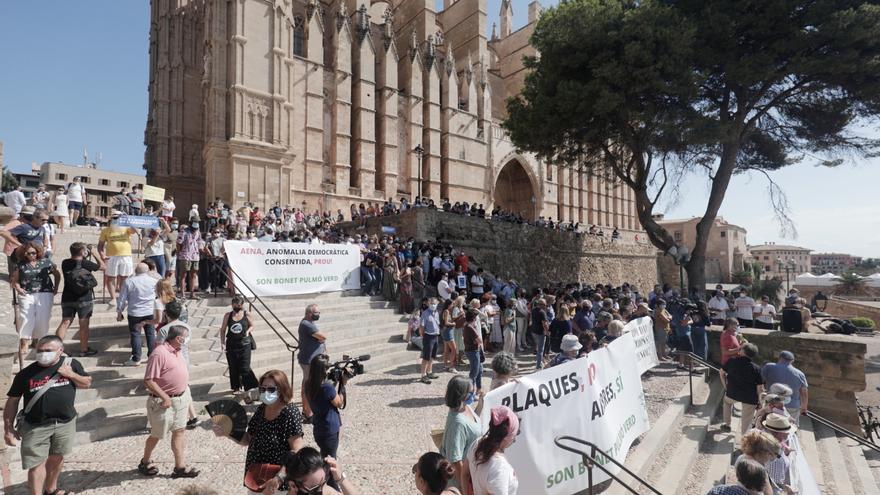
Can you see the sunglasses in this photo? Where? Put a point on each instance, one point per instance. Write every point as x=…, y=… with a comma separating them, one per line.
x=270, y=390
x=317, y=489
x=31, y=253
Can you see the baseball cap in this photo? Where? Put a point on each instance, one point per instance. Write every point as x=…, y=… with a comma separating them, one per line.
x=787, y=355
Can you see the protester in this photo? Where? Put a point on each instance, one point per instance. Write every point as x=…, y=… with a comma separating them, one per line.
x=274, y=430
x=76, y=194
x=114, y=244
x=699, y=338
x=155, y=247
x=309, y=474
x=559, y=327
x=78, y=299
x=447, y=335
x=745, y=309
x=522, y=315
x=662, y=318
x=311, y=343
x=433, y=473
x=783, y=371
x=138, y=295
x=778, y=467
x=489, y=471
x=30, y=230
x=429, y=330
x=540, y=330
x=48, y=428
x=35, y=282
x=569, y=350
x=236, y=341
x=168, y=208
x=462, y=425
x=503, y=369
x=615, y=330
x=763, y=448
x=742, y=381
x=772, y=402
x=324, y=402
x=166, y=379
x=751, y=479
x=60, y=211
x=174, y=315
x=718, y=307
x=730, y=343
x=189, y=245
x=15, y=199
x=764, y=314
x=508, y=325
x=473, y=347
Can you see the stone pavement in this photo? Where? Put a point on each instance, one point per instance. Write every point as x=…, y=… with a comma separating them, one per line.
x=386, y=427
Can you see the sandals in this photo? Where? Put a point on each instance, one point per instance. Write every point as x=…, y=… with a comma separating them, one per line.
x=147, y=468
x=58, y=491
x=191, y=424
x=185, y=472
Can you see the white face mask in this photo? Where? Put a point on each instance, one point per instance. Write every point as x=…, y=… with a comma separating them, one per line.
x=46, y=358
x=269, y=398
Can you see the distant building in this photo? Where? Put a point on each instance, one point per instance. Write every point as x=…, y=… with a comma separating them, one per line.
x=775, y=257
x=101, y=185
x=835, y=263
x=28, y=181
x=726, y=251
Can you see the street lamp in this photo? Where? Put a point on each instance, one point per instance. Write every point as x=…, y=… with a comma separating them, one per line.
x=419, y=151
x=680, y=255
x=789, y=267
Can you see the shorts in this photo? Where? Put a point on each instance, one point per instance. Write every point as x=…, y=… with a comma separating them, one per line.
x=74, y=205
x=162, y=421
x=119, y=266
x=80, y=309
x=429, y=346
x=34, y=311
x=39, y=442
x=189, y=266
x=448, y=334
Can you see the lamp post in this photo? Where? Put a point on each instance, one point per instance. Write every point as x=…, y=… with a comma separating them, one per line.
x=680, y=255
x=419, y=151
x=788, y=266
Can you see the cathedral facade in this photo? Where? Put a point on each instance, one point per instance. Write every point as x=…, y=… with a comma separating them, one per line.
x=325, y=103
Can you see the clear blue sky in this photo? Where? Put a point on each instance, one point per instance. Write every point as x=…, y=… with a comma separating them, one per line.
x=74, y=74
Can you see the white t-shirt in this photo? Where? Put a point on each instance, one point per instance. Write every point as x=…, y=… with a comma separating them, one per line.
x=719, y=304
x=745, y=307
x=157, y=249
x=765, y=313
x=75, y=192
x=168, y=208
x=443, y=289
x=493, y=477
x=477, y=284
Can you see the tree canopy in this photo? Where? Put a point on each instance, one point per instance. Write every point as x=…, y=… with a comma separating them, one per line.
x=645, y=92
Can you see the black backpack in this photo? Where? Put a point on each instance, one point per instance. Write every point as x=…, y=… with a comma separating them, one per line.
x=81, y=280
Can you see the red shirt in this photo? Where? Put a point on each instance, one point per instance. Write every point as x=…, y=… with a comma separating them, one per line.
x=167, y=368
x=728, y=341
x=462, y=261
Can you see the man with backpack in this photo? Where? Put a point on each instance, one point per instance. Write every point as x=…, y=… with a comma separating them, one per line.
x=78, y=297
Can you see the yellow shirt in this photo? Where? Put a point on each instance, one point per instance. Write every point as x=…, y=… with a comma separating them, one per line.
x=117, y=240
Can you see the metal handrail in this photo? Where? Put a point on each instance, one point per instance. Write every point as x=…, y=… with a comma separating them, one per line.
x=825, y=421
x=693, y=357
x=290, y=347
x=590, y=460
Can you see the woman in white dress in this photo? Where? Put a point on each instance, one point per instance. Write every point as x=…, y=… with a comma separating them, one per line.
x=59, y=203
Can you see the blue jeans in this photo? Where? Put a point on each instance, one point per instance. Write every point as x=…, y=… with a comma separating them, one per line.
x=476, y=372
x=541, y=341
x=369, y=280
x=701, y=344
x=149, y=331
x=160, y=264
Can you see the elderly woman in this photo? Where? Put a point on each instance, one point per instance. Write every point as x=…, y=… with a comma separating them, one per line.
x=781, y=428
x=773, y=401
x=274, y=430
x=615, y=329
x=762, y=447
x=503, y=368
x=751, y=479
x=462, y=424
x=36, y=283
x=488, y=470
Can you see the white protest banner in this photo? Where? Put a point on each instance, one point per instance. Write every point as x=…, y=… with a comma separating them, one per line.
x=282, y=268
x=802, y=479
x=642, y=331
x=598, y=398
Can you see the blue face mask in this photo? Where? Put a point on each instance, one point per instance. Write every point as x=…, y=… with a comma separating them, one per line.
x=786, y=400
x=470, y=398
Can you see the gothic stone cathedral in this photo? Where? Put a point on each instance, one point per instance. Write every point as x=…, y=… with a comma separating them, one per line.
x=323, y=102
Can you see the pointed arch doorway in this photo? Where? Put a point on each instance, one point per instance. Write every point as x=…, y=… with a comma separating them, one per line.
x=514, y=190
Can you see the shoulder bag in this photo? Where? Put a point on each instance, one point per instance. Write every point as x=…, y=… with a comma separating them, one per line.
x=19, y=418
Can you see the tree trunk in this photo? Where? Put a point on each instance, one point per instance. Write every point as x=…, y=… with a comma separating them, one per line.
x=696, y=276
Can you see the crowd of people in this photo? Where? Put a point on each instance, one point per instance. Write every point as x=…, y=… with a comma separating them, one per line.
x=459, y=313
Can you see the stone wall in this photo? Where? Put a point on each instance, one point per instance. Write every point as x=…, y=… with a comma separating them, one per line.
x=530, y=255
x=834, y=365
x=848, y=309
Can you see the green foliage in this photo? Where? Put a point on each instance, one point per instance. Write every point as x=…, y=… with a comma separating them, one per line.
x=645, y=92
x=862, y=322
x=743, y=277
x=10, y=182
x=850, y=283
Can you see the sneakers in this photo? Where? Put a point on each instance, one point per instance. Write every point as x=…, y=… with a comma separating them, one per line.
x=433, y=376
x=425, y=379
x=452, y=370
x=725, y=428
x=132, y=362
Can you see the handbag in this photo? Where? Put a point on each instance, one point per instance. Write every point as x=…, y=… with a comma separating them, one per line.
x=482, y=355
x=253, y=342
x=19, y=418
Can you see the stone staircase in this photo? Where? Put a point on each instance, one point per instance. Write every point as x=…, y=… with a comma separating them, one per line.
x=685, y=452
x=114, y=406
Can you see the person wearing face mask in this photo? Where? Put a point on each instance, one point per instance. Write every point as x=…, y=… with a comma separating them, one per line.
x=49, y=425
x=235, y=339
x=155, y=248
x=311, y=343
x=463, y=426
x=167, y=381
x=487, y=468
x=662, y=318
x=325, y=402
x=114, y=244
x=429, y=330
x=308, y=474
x=274, y=430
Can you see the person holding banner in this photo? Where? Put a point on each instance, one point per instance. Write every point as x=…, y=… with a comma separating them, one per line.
x=489, y=471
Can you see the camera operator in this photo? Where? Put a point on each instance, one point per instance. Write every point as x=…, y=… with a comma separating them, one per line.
x=77, y=300
x=325, y=401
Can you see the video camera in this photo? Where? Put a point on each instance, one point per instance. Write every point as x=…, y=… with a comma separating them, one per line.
x=683, y=306
x=348, y=367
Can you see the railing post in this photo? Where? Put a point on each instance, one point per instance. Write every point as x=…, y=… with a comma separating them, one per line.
x=589, y=474
x=293, y=371
x=691, y=378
